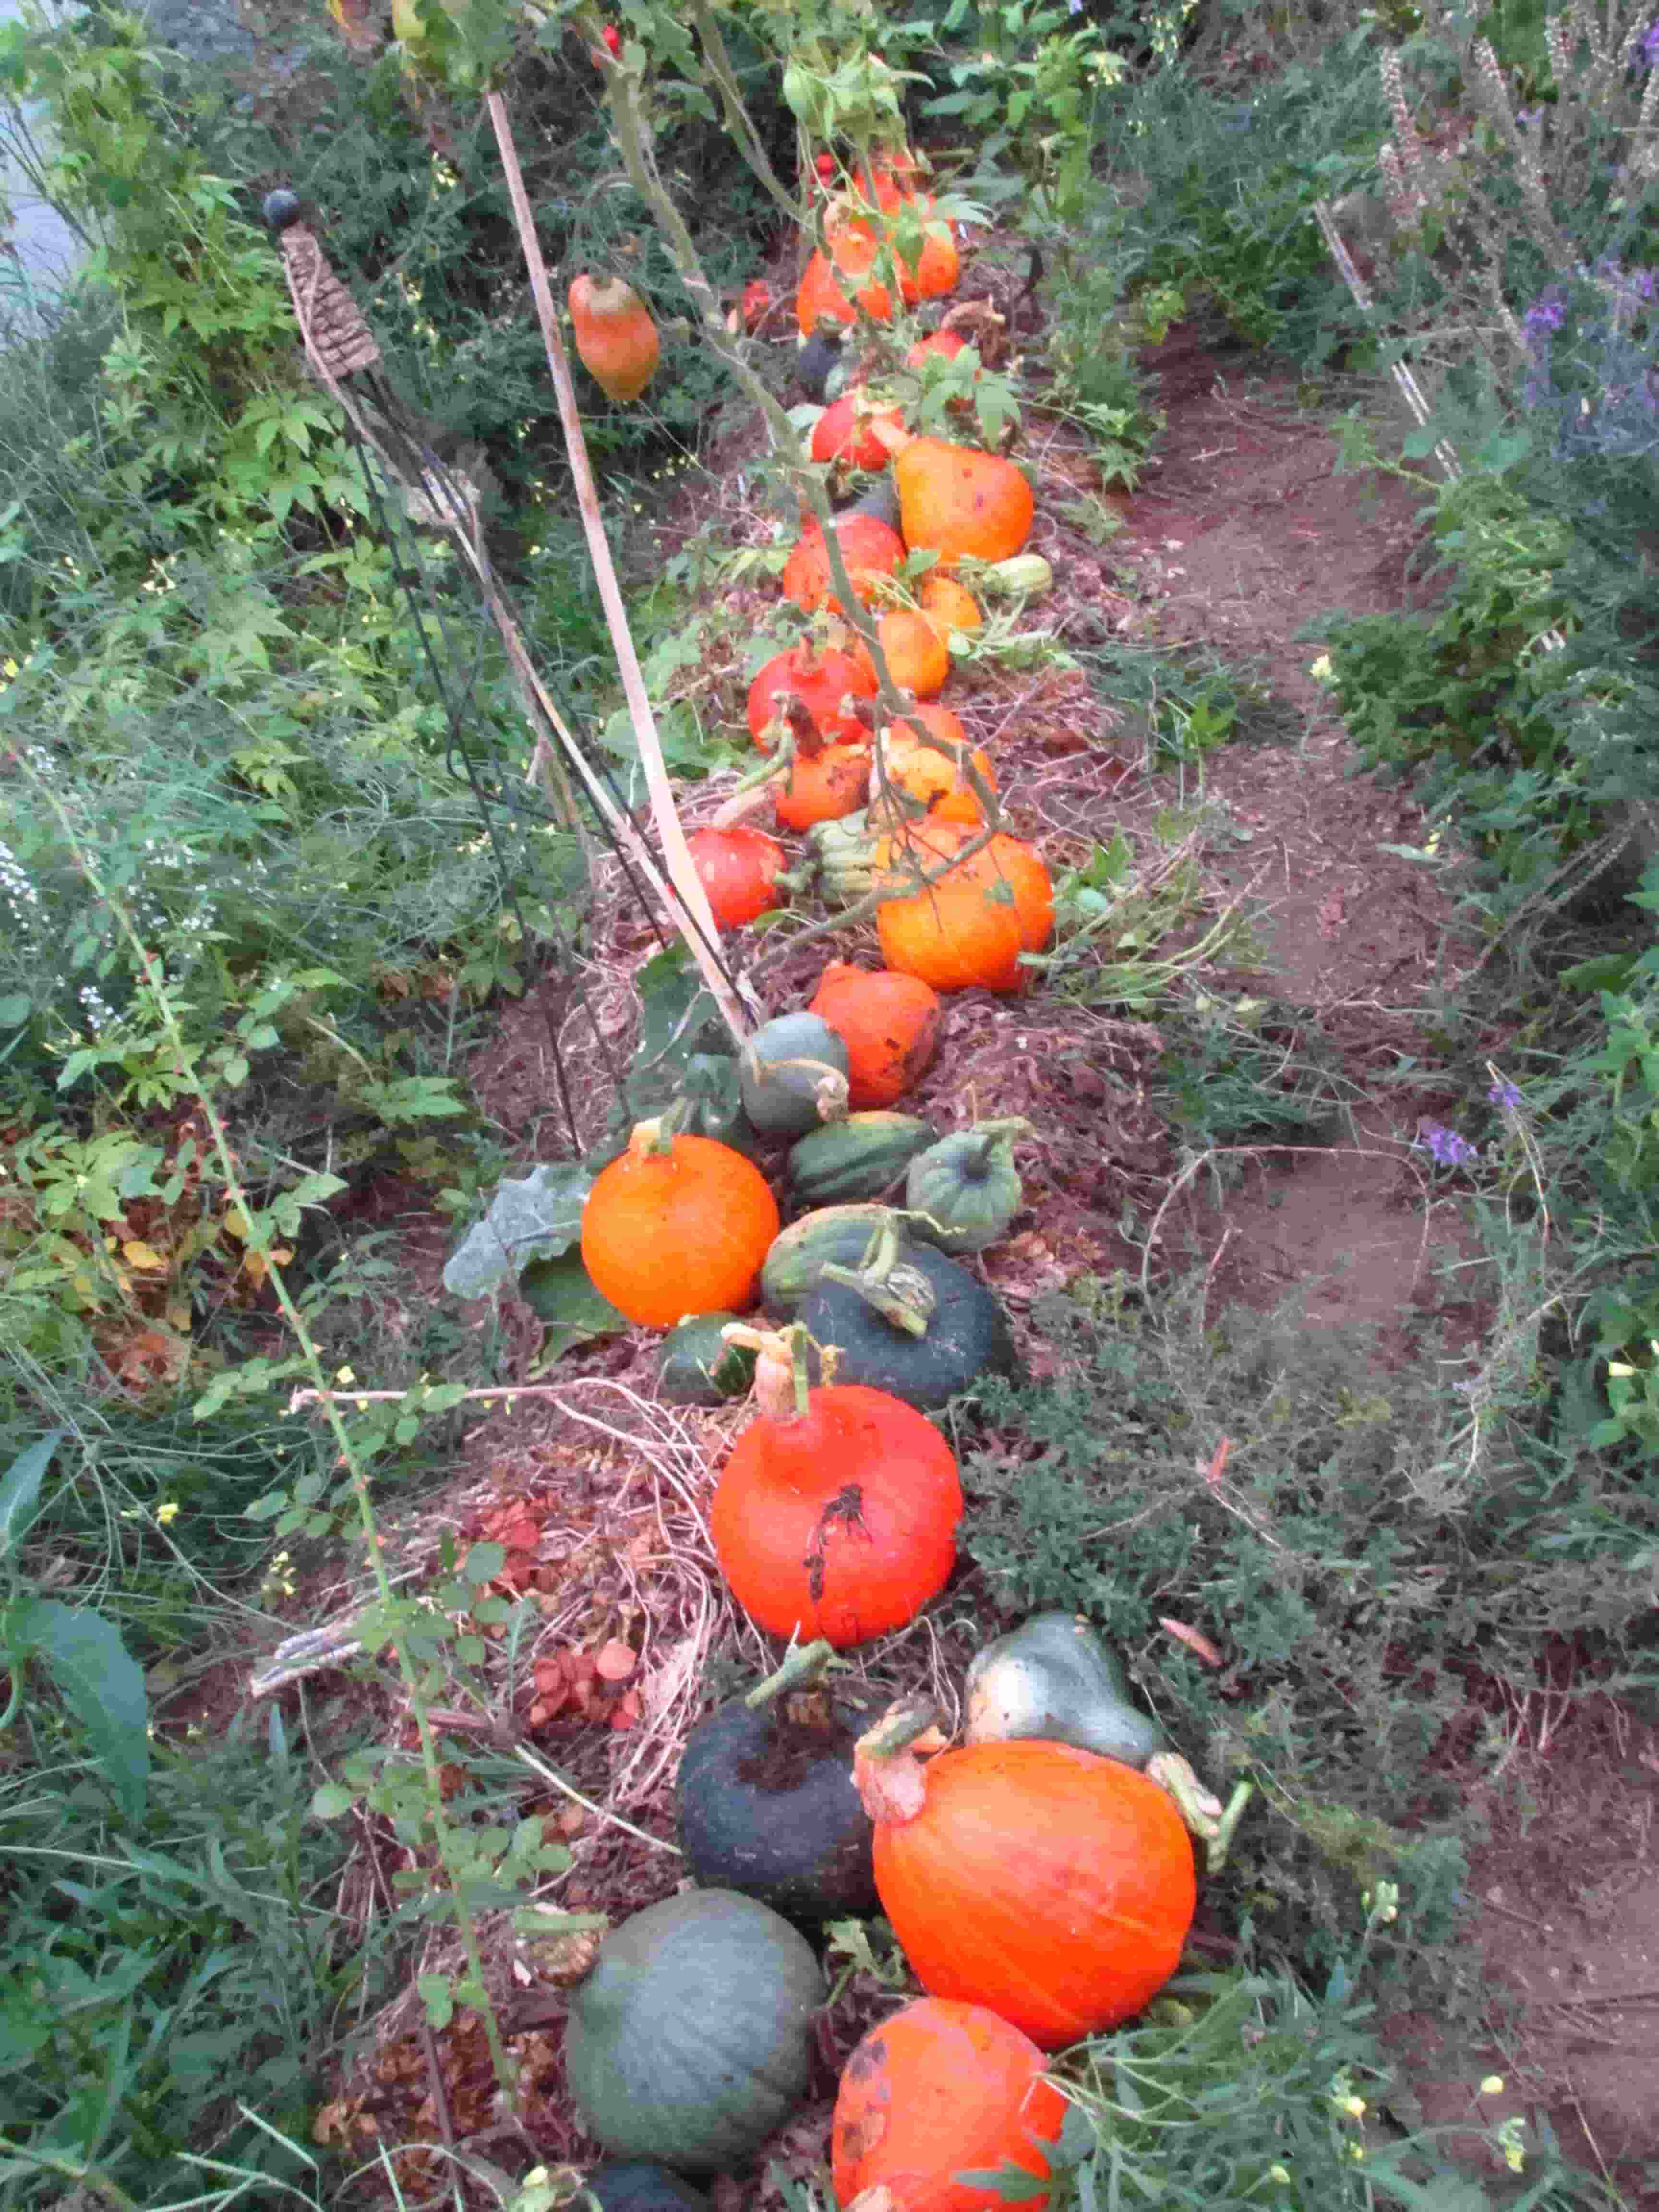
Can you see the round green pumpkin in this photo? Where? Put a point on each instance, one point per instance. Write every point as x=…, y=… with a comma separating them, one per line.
x=692, y=2039
x=637, y=2186
x=965, y=1334
x=791, y=1075
x=967, y=1185
x=769, y=1806
x=697, y=1367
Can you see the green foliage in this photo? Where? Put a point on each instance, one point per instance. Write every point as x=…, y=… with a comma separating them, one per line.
x=163, y=1976
x=1351, y=1553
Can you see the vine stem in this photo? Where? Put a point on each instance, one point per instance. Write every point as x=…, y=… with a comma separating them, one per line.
x=258, y=1240
x=704, y=934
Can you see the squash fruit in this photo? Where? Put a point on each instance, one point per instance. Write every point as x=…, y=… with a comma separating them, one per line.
x=938, y=2092
x=968, y=1185
x=859, y=1157
x=958, y=499
x=767, y=1802
x=890, y=1026
x=1053, y=1677
x=615, y=338
x=912, y=1323
x=1053, y=1886
x=691, y=2039
x=677, y=1225
x=791, y=1075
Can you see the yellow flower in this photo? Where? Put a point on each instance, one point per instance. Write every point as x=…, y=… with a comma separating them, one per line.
x=1515, y=2158
x=1278, y=2173
x=345, y=1375
x=1492, y=2086
x=1356, y=2151
x=1354, y=2107
x=167, y=1512
x=1321, y=670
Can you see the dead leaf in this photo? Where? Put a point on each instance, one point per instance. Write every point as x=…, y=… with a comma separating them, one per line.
x=615, y=1661
x=1194, y=1638
x=1333, y=914
x=627, y=1714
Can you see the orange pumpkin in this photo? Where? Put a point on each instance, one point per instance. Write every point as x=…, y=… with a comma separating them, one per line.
x=819, y=298
x=938, y=2090
x=843, y=432
x=889, y=1024
x=956, y=500
x=823, y=681
x=1052, y=1885
x=677, y=1225
x=831, y=782
x=837, y=1516
x=947, y=343
x=737, y=866
x=948, y=605
x=967, y=930
x=857, y=241
x=616, y=337
x=935, y=778
x=869, y=549
x=918, y=658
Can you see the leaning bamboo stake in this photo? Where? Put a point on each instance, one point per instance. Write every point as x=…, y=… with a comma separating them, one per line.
x=703, y=937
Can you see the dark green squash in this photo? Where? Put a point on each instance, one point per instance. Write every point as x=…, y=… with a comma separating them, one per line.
x=921, y=1327
x=859, y=1157
x=967, y=1185
x=768, y=1804
x=697, y=1367
x=691, y=2039
x=638, y=2187
x=792, y=1074
x=800, y=1252
x=1052, y=1677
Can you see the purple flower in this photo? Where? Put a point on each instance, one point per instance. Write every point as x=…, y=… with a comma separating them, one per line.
x=1650, y=44
x=1547, y=311
x=1447, y=1148
x=1505, y=1094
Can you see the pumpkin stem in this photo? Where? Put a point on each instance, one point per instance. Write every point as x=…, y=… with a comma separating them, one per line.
x=901, y=1295
x=887, y=1763
x=1205, y=1816
x=781, y=1383
x=829, y=1085
x=655, y=1138
x=802, y=1662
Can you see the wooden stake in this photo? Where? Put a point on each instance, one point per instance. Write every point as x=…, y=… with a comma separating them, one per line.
x=703, y=935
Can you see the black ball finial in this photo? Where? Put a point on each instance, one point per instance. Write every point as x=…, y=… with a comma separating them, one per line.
x=280, y=210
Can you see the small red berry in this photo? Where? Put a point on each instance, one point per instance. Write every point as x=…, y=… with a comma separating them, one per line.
x=825, y=166
x=612, y=38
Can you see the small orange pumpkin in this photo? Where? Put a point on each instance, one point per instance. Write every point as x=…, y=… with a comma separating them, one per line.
x=889, y=1024
x=819, y=298
x=936, y=779
x=616, y=337
x=939, y=2090
x=869, y=549
x=824, y=786
x=956, y=500
x=948, y=604
x=823, y=681
x=677, y=1225
x=738, y=866
x=918, y=658
x=968, y=929
x=845, y=432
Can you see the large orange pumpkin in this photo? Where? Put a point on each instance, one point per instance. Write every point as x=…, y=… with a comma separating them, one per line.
x=889, y=1024
x=918, y=658
x=956, y=499
x=869, y=549
x=939, y=2090
x=616, y=337
x=821, y=682
x=968, y=929
x=1050, y=1884
x=838, y=1519
x=677, y=1225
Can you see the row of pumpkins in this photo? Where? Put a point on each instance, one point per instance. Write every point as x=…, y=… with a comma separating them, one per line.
x=1039, y=1881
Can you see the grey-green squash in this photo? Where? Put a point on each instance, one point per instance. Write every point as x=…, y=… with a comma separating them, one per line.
x=697, y=1367
x=691, y=2039
x=791, y=1074
x=1052, y=1677
x=799, y=1253
x=967, y=1185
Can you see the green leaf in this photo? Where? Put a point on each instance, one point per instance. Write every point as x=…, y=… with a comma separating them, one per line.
x=559, y=1292
x=329, y=1800
x=20, y=1488
x=438, y=1998
x=103, y=1685
x=14, y=1010
x=535, y=1217
x=484, y=1562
